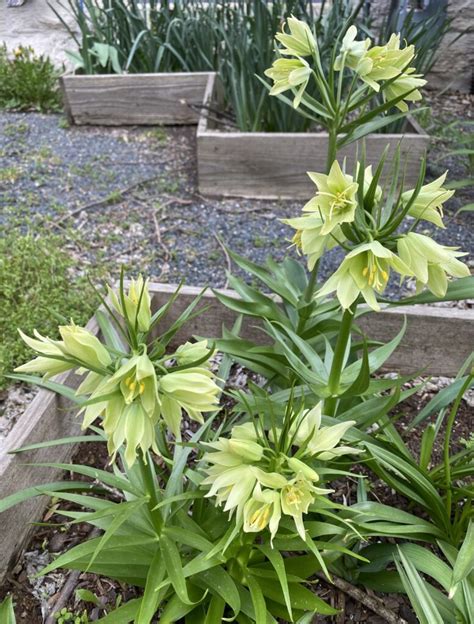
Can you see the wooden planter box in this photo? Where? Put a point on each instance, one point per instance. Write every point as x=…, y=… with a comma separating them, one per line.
x=274, y=164
x=134, y=99
x=437, y=341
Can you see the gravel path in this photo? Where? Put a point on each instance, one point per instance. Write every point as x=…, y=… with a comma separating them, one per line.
x=134, y=199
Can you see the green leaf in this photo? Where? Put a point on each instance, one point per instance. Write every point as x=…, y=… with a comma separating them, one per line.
x=7, y=615
x=174, y=568
x=38, y=490
x=465, y=559
x=87, y=596
x=427, y=441
x=301, y=598
x=123, y=512
x=215, y=612
x=442, y=399
x=458, y=290
x=59, y=442
x=418, y=592
x=258, y=599
x=221, y=584
x=149, y=603
x=94, y=473
x=124, y=556
x=124, y=614
x=47, y=384
x=111, y=336
x=275, y=558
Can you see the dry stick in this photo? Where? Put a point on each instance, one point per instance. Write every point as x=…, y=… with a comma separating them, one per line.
x=106, y=200
x=374, y=604
x=67, y=588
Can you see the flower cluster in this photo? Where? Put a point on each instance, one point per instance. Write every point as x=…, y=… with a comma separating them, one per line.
x=131, y=391
x=385, y=63
x=339, y=214
x=250, y=474
x=383, y=68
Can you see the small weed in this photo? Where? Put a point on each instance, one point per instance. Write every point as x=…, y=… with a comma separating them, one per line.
x=114, y=197
x=27, y=81
x=9, y=175
x=63, y=123
x=14, y=129
x=259, y=242
x=65, y=616
x=159, y=135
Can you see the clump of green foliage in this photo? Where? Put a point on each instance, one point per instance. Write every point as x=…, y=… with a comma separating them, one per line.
x=36, y=285
x=28, y=81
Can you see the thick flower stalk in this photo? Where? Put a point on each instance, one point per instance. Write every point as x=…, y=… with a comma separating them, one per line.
x=260, y=480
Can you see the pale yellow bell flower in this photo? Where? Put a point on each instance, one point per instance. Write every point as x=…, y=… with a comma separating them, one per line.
x=232, y=486
x=353, y=54
x=45, y=364
x=319, y=442
x=137, y=303
x=193, y=390
x=308, y=238
x=386, y=62
x=296, y=497
x=299, y=41
x=261, y=510
x=430, y=262
x=408, y=82
x=364, y=271
x=82, y=345
x=336, y=200
x=289, y=74
x=428, y=204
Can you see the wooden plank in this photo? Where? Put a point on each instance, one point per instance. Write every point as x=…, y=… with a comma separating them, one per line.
x=48, y=417
x=437, y=340
x=274, y=165
x=135, y=99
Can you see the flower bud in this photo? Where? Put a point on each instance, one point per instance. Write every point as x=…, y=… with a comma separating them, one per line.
x=84, y=346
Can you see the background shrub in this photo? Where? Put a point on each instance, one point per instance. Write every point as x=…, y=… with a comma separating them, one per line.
x=36, y=285
x=27, y=81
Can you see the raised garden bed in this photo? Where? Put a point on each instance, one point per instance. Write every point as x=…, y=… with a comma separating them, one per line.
x=134, y=99
x=437, y=341
x=274, y=165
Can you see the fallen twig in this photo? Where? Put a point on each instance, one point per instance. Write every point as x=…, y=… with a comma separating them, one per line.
x=372, y=603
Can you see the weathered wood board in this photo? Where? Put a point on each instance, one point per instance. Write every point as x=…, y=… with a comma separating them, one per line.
x=48, y=417
x=274, y=164
x=437, y=340
x=134, y=99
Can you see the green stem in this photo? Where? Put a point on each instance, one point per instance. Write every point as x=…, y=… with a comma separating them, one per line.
x=148, y=477
x=307, y=297
x=332, y=147
x=447, y=443
x=338, y=360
